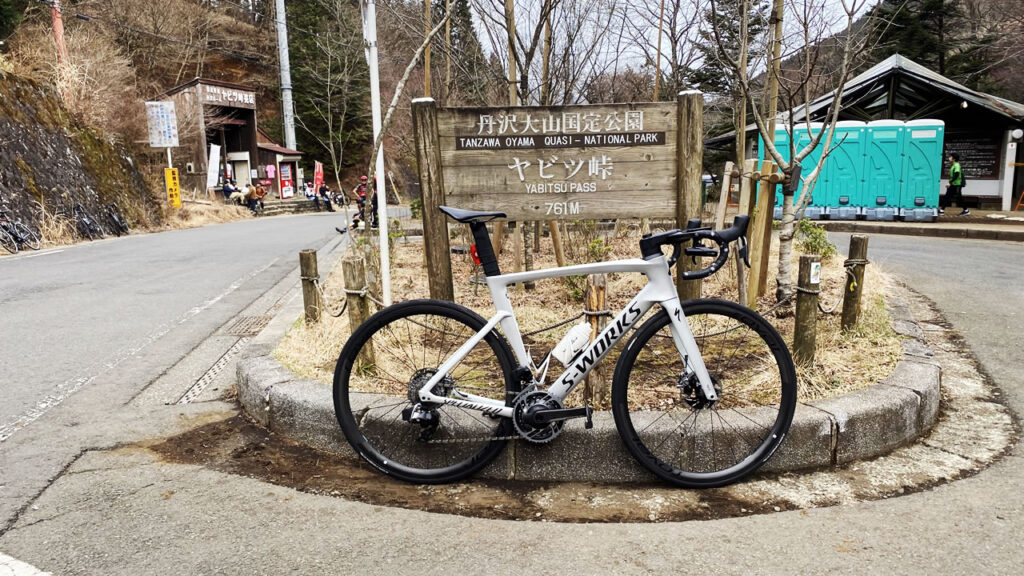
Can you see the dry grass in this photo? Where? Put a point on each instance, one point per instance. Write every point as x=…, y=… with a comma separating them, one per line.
x=844, y=362
x=196, y=214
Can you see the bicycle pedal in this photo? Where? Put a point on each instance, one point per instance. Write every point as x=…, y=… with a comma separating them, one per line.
x=590, y=420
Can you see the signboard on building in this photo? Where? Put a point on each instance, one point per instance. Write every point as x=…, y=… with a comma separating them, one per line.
x=224, y=96
x=173, y=186
x=980, y=154
x=572, y=162
x=163, y=124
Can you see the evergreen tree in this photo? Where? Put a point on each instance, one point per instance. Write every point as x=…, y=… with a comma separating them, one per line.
x=712, y=77
x=330, y=80
x=10, y=16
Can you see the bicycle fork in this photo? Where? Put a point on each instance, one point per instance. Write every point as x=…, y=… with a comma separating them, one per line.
x=688, y=349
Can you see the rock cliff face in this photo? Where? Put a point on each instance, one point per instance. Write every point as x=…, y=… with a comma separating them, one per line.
x=49, y=157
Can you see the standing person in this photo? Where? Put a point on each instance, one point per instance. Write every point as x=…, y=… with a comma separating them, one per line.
x=954, y=189
x=373, y=204
x=360, y=194
x=251, y=198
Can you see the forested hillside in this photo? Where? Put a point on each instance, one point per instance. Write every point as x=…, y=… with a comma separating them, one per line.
x=123, y=52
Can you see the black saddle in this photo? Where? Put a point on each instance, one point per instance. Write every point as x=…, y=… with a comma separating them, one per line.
x=470, y=215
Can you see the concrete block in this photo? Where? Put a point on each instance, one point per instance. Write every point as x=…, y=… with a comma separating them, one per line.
x=899, y=309
x=924, y=379
x=872, y=421
x=808, y=443
x=580, y=455
x=256, y=376
x=917, y=348
x=304, y=411
x=908, y=329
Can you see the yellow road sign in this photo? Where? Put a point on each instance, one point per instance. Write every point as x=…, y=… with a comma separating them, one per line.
x=173, y=186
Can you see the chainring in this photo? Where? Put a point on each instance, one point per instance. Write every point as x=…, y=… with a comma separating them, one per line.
x=531, y=400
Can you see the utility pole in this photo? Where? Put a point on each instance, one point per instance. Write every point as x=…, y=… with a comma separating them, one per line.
x=427, y=25
x=286, y=77
x=368, y=8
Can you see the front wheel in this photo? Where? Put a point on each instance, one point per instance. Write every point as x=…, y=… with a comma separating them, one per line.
x=669, y=425
x=28, y=237
x=386, y=362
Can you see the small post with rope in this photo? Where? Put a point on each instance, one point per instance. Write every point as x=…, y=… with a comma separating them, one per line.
x=854, y=280
x=353, y=268
x=806, y=329
x=596, y=385
x=310, y=295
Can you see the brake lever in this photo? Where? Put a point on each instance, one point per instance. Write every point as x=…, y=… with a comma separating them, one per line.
x=743, y=250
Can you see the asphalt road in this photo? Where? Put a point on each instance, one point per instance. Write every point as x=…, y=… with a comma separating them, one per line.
x=73, y=316
x=120, y=511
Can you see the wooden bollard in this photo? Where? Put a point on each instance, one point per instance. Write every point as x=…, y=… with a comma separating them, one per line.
x=353, y=268
x=596, y=385
x=854, y=285
x=806, y=329
x=310, y=295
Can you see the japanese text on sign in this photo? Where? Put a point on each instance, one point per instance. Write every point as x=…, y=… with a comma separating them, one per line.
x=173, y=187
x=162, y=122
x=600, y=160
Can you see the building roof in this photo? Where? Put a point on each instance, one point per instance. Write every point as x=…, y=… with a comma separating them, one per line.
x=871, y=89
x=264, y=141
x=279, y=149
x=208, y=81
x=896, y=86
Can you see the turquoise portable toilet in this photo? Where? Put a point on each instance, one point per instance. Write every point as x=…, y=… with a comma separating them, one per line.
x=883, y=168
x=922, y=170
x=782, y=145
x=844, y=172
x=816, y=207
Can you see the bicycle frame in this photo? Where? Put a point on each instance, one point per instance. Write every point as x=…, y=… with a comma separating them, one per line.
x=660, y=289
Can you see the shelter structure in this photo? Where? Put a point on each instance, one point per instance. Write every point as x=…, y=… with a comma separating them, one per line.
x=213, y=112
x=985, y=130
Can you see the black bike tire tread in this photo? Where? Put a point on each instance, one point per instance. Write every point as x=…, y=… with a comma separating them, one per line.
x=719, y=478
x=350, y=428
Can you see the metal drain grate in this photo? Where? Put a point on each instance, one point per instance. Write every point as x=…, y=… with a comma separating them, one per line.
x=249, y=325
x=204, y=381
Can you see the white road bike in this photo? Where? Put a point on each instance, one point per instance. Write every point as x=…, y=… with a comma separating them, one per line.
x=703, y=394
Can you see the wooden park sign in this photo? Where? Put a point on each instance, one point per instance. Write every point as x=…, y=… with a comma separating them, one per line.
x=587, y=162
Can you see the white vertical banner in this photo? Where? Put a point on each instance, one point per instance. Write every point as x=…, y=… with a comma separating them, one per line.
x=213, y=166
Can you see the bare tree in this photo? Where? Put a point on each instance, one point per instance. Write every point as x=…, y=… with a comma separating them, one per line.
x=811, y=26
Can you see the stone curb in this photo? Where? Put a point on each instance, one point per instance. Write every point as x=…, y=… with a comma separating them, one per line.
x=978, y=232
x=860, y=425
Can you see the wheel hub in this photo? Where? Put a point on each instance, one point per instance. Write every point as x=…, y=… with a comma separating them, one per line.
x=691, y=392
x=420, y=379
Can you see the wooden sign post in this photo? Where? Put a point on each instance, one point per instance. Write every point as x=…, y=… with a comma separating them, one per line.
x=588, y=162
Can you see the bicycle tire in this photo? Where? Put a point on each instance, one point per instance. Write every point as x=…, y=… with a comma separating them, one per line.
x=27, y=236
x=8, y=241
x=407, y=342
x=701, y=444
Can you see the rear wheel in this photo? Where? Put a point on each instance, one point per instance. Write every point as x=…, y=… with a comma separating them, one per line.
x=8, y=242
x=668, y=424
x=383, y=366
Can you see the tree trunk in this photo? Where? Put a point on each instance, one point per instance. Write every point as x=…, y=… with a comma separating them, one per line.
x=784, y=278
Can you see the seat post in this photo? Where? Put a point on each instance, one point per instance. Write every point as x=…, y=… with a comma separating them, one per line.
x=484, y=249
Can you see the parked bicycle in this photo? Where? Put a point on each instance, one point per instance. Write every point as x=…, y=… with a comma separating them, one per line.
x=85, y=223
x=15, y=234
x=703, y=394
x=115, y=220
